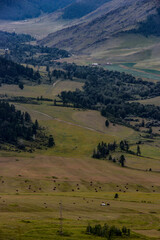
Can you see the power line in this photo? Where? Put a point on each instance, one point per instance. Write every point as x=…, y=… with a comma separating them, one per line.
x=61, y=218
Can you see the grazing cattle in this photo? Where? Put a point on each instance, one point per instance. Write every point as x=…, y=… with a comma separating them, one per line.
x=108, y=204
x=72, y=190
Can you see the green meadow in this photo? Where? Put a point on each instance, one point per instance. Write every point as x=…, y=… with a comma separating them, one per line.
x=33, y=184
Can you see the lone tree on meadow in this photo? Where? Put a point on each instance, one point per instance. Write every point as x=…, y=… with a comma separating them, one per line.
x=116, y=196
x=21, y=86
x=122, y=160
x=143, y=123
x=51, y=142
x=107, y=123
x=138, y=150
x=121, y=145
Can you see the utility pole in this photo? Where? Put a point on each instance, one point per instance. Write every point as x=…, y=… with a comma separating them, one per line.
x=61, y=218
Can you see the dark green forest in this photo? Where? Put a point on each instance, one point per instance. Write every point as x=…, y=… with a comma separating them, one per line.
x=108, y=232
x=111, y=92
x=8, y=40
x=13, y=73
x=18, y=129
x=15, y=124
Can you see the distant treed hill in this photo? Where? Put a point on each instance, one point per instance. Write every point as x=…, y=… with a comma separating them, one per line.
x=19, y=49
x=13, y=73
x=9, y=40
x=81, y=8
x=18, y=9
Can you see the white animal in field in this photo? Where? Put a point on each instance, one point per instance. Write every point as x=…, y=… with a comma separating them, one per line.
x=103, y=204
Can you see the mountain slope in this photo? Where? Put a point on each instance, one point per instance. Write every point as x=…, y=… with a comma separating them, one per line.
x=17, y=9
x=117, y=16
x=81, y=8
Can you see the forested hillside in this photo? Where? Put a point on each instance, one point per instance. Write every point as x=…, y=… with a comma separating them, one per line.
x=13, y=73
x=81, y=8
x=20, y=50
x=18, y=129
x=15, y=124
x=111, y=93
x=17, y=9
x=11, y=40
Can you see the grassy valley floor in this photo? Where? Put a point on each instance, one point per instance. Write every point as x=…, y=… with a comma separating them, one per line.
x=33, y=184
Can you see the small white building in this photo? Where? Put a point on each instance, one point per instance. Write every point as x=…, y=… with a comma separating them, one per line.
x=108, y=63
x=95, y=64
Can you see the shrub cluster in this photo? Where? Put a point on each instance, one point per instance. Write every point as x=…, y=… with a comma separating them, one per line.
x=103, y=150
x=108, y=232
